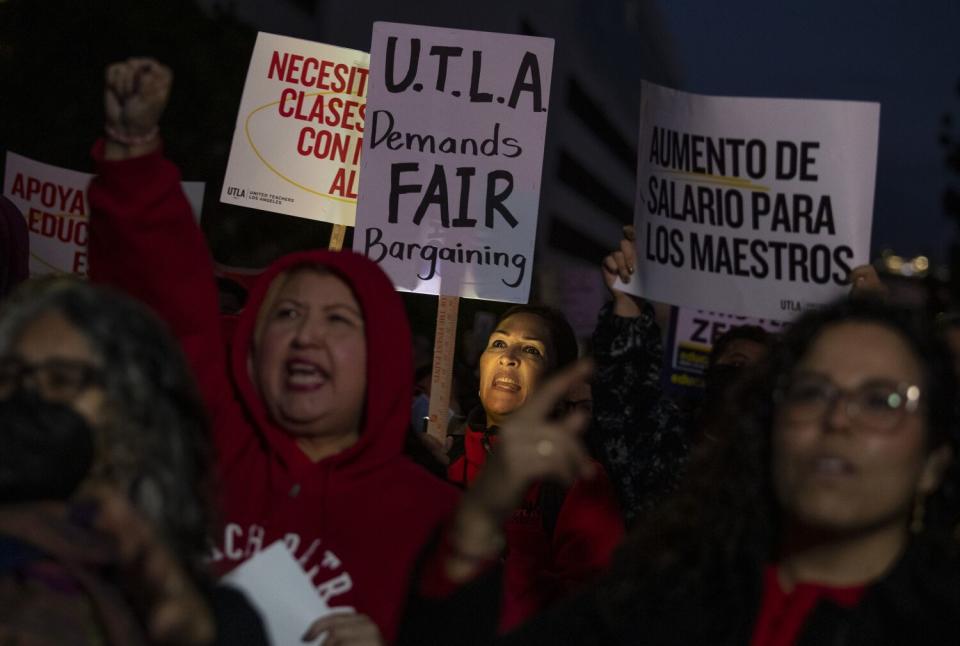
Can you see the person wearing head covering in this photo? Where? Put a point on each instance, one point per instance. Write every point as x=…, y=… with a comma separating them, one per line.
x=310, y=410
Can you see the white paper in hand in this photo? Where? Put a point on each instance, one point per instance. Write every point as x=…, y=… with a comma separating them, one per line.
x=633, y=287
x=282, y=593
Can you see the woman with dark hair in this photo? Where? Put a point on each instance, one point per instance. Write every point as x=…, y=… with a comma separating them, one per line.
x=558, y=537
x=310, y=405
x=97, y=404
x=529, y=342
x=826, y=513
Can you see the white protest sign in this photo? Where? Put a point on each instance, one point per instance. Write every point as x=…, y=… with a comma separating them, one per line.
x=758, y=207
x=693, y=335
x=282, y=593
x=54, y=202
x=452, y=159
x=296, y=147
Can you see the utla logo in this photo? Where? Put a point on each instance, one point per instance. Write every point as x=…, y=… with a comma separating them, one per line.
x=233, y=191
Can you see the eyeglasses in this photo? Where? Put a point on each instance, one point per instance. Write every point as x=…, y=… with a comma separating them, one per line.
x=877, y=405
x=57, y=379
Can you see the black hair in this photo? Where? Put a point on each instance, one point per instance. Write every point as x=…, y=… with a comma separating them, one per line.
x=707, y=544
x=233, y=295
x=562, y=337
x=753, y=333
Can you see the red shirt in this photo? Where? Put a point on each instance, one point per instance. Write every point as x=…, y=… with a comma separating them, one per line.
x=541, y=568
x=783, y=614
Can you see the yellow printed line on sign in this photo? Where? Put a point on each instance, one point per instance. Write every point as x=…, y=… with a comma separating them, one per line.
x=705, y=178
x=246, y=130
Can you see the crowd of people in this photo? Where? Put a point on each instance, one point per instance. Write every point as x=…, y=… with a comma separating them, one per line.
x=810, y=498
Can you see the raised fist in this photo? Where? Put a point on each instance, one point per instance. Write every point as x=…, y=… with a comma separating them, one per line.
x=135, y=95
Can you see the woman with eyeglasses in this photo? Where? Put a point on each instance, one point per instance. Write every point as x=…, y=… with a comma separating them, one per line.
x=104, y=464
x=827, y=514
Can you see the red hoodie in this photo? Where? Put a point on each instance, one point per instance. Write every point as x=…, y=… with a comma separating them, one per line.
x=355, y=520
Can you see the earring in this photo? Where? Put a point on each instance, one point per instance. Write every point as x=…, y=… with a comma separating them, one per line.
x=919, y=510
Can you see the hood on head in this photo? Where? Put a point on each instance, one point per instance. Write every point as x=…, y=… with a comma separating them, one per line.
x=389, y=360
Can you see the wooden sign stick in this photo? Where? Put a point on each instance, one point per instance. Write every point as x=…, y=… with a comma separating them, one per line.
x=441, y=381
x=337, y=235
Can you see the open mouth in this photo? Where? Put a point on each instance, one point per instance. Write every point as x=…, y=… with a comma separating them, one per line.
x=305, y=375
x=506, y=383
x=831, y=465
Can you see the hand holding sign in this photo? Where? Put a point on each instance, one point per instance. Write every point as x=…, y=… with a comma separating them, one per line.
x=866, y=283
x=617, y=269
x=135, y=95
x=755, y=207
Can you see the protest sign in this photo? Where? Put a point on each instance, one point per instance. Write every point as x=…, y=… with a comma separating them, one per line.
x=452, y=159
x=758, y=207
x=299, y=134
x=691, y=338
x=54, y=202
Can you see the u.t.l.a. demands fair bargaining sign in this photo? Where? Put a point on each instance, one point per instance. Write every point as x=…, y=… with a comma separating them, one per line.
x=54, y=203
x=452, y=159
x=756, y=207
x=299, y=135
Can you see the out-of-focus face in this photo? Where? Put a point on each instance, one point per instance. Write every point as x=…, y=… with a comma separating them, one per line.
x=518, y=354
x=860, y=463
x=742, y=353
x=310, y=357
x=61, y=365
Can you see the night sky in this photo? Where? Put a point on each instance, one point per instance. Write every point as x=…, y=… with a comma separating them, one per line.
x=905, y=55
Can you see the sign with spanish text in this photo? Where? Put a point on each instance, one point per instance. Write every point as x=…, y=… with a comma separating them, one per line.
x=299, y=134
x=54, y=203
x=452, y=159
x=757, y=207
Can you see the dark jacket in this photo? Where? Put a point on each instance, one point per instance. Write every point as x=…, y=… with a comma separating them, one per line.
x=59, y=585
x=916, y=604
x=640, y=437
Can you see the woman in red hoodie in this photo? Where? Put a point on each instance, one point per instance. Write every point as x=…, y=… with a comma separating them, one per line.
x=310, y=410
